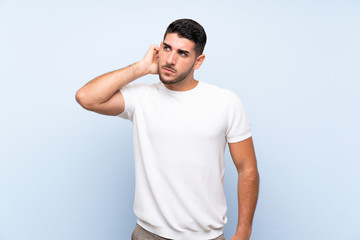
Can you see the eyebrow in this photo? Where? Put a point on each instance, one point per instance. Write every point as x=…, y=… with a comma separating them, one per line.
x=179, y=50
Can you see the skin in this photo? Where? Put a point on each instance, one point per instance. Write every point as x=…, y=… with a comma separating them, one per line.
x=243, y=155
x=175, y=62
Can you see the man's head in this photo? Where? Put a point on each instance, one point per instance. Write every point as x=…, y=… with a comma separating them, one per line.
x=189, y=29
x=181, y=52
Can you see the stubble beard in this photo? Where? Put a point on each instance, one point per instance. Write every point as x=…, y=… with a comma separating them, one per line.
x=180, y=78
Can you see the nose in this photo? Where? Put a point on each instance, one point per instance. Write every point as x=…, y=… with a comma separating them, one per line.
x=171, y=59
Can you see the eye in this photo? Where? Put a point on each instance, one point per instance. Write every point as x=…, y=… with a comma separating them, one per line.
x=166, y=48
x=184, y=54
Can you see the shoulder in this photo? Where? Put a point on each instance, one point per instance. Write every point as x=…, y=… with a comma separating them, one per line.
x=139, y=87
x=221, y=93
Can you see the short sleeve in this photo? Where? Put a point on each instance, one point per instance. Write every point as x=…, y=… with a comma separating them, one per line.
x=238, y=127
x=131, y=93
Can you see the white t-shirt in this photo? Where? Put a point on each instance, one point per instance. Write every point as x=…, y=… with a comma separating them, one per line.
x=179, y=144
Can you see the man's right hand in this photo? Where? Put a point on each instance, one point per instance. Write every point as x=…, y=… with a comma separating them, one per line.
x=150, y=61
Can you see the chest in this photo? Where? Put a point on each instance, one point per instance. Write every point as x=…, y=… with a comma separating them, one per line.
x=171, y=117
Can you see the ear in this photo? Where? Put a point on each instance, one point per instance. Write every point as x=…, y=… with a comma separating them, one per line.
x=199, y=60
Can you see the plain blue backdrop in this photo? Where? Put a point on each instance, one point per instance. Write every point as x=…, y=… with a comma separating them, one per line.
x=66, y=173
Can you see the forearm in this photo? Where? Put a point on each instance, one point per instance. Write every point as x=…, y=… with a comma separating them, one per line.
x=248, y=189
x=102, y=88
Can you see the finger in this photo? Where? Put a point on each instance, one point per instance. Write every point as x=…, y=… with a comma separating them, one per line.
x=154, y=47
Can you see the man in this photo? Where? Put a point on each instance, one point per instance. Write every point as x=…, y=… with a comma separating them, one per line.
x=181, y=127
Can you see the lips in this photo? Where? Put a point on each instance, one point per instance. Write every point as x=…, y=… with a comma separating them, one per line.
x=168, y=69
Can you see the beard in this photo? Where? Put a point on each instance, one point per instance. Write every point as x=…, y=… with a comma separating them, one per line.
x=178, y=79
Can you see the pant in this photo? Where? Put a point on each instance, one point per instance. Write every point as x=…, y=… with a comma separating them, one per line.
x=140, y=233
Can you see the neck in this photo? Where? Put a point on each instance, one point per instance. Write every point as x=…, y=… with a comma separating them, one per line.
x=185, y=85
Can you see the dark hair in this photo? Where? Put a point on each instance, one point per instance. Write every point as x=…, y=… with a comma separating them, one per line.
x=189, y=29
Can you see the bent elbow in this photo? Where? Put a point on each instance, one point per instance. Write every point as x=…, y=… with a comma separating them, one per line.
x=83, y=100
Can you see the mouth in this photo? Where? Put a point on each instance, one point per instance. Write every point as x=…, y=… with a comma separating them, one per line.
x=168, y=70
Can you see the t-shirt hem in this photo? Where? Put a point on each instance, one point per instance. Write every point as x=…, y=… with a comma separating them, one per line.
x=124, y=114
x=239, y=139
x=170, y=234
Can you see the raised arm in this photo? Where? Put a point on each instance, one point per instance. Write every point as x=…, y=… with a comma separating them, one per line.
x=102, y=94
x=243, y=155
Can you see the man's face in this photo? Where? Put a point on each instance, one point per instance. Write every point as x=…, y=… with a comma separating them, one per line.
x=176, y=59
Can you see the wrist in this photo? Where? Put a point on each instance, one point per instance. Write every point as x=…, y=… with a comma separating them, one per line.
x=243, y=233
x=136, y=70
x=142, y=68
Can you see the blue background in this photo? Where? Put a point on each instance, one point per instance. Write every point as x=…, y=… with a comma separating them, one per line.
x=66, y=173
